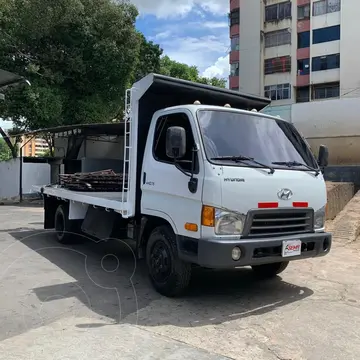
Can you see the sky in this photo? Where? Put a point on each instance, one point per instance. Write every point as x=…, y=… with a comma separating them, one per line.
x=194, y=32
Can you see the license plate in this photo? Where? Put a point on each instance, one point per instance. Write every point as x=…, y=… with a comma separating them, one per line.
x=291, y=248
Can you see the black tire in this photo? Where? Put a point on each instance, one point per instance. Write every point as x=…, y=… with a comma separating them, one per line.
x=169, y=275
x=66, y=230
x=268, y=271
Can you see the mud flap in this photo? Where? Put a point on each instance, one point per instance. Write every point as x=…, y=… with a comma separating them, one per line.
x=99, y=223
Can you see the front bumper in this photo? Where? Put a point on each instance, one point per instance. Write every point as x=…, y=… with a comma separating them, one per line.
x=216, y=253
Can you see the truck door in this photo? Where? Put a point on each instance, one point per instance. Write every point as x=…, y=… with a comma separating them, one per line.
x=165, y=190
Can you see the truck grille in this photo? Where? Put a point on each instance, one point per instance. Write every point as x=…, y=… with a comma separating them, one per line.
x=279, y=222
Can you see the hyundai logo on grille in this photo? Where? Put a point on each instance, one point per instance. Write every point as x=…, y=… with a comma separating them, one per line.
x=285, y=194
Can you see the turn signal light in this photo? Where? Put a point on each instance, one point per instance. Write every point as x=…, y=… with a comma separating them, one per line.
x=208, y=216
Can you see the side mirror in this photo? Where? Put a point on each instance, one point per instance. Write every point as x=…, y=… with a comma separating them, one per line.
x=175, y=142
x=323, y=158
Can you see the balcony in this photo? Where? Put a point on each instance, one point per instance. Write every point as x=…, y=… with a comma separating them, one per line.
x=234, y=30
x=303, y=25
x=234, y=4
x=303, y=53
x=302, y=80
x=234, y=56
x=234, y=82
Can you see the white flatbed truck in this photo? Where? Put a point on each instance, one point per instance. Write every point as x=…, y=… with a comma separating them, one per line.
x=211, y=182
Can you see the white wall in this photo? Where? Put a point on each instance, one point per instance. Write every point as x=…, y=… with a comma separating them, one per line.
x=349, y=58
x=251, y=64
x=284, y=111
x=327, y=118
x=334, y=123
x=277, y=51
x=33, y=174
x=326, y=48
x=325, y=76
x=326, y=20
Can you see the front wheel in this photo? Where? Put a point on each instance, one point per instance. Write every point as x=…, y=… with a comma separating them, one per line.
x=169, y=275
x=267, y=271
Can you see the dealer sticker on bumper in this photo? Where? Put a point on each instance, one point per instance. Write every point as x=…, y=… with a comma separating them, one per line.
x=291, y=248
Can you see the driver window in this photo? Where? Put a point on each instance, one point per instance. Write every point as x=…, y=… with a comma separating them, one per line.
x=159, y=145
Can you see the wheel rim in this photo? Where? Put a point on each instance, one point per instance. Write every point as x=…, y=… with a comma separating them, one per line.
x=160, y=262
x=60, y=225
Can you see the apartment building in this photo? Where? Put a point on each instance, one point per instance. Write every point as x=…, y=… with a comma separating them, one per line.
x=297, y=51
x=34, y=147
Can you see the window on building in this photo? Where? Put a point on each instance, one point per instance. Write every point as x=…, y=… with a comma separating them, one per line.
x=303, y=94
x=234, y=17
x=278, y=92
x=330, y=33
x=303, y=12
x=303, y=67
x=277, y=38
x=303, y=39
x=326, y=91
x=278, y=11
x=235, y=43
x=159, y=148
x=325, y=62
x=325, y=6
x=234, y=69
x=277, y=65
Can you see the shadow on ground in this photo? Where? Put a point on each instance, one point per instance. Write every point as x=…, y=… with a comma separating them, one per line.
x=113, y=285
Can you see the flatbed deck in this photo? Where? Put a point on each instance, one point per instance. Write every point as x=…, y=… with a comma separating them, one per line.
x=108, y=200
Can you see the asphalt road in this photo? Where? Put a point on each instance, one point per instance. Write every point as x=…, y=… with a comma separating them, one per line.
x=92, y=300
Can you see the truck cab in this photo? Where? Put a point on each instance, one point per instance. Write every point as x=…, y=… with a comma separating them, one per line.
x=236, y=187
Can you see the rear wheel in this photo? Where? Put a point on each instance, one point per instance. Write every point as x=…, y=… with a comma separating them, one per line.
x=66, y=230
x=267, y=271
x=169, y=275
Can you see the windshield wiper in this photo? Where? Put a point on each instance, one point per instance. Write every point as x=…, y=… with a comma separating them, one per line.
x=296, y=163
x=241, y=158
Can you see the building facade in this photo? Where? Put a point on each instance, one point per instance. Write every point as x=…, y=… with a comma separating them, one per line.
x=297, y=51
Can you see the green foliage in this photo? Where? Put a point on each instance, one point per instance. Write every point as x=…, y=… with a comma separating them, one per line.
x=79, y=56
x=5, y=153
x=182, y=71
x=47, y=153
x=149, y=59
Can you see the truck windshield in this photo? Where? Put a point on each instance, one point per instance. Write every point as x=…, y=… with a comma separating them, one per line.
x=228, y=135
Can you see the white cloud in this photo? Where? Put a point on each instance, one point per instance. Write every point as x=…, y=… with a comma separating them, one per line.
x=208, y=53
x=203, y=51
x=172, y=8
x=215, y=24
x=220, y=69
x=162, y=35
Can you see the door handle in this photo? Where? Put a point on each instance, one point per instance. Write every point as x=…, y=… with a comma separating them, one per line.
x=144, y=177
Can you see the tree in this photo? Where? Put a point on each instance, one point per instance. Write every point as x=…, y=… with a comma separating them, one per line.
x=79, y=56
x=149, y=58
x=5, y=153
x=182, y=71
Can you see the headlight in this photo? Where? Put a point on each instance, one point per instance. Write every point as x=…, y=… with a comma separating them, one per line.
x=319, y=218
x=228, y=223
